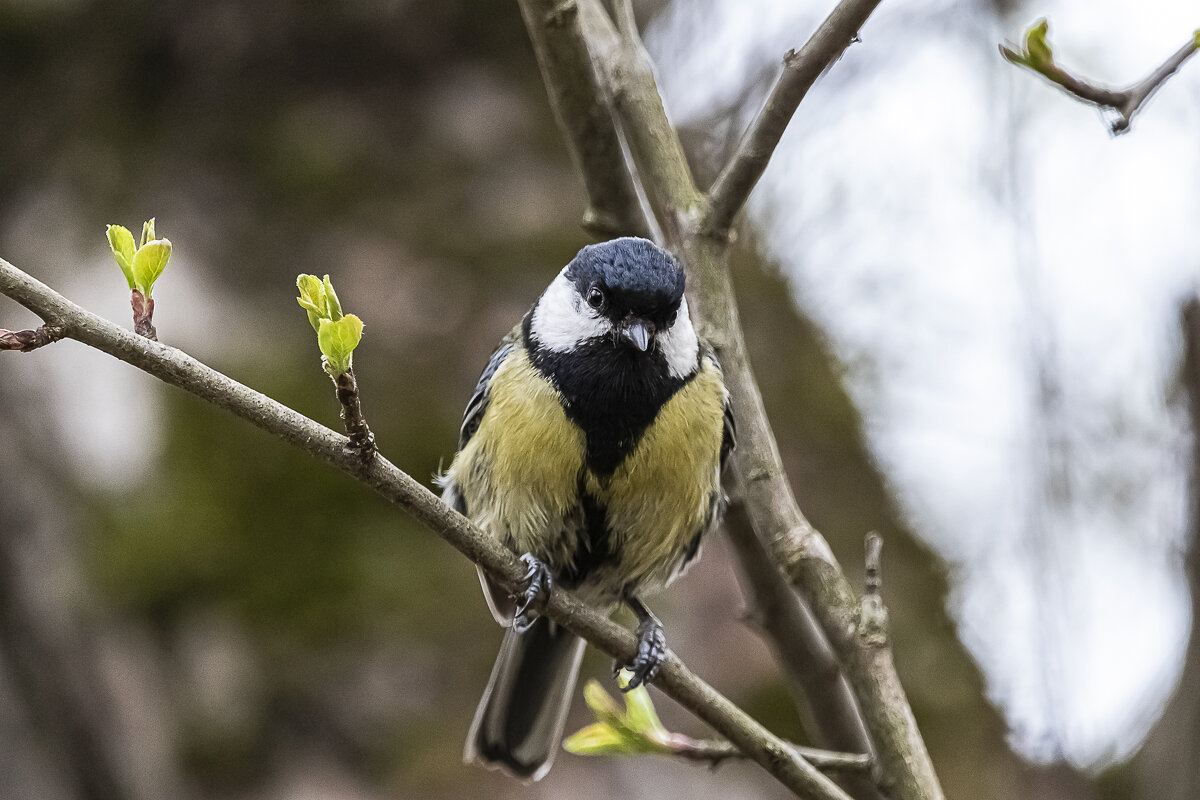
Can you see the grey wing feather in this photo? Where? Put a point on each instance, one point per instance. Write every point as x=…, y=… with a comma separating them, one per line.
x=479, y=398
x=728, y=435
x=728, y=427
x=500, y=604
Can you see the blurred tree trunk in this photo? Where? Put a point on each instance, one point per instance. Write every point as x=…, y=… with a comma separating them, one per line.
x=1168, y=767
x=67, y=731
x=60, y=738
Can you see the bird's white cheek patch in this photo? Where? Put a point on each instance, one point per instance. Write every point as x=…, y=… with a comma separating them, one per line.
x=679, y=344
x=561, y=321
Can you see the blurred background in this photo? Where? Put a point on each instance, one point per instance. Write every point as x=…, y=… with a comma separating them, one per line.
x=963, y=297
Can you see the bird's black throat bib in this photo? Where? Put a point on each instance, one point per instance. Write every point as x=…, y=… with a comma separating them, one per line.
x=611, y=390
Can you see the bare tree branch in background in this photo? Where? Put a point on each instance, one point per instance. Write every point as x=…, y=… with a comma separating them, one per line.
x=1038, y=57
x=686, y=219
x=801, y=68
x=582, y=113
x=49, y=658
x=826, y=705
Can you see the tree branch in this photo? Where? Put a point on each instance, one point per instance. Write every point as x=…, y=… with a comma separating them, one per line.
x=1038, y=57
x=654, y=145
x=905, y=770
x=181, y=370
x=584, y=115
x=801, y=68
x=827, y=707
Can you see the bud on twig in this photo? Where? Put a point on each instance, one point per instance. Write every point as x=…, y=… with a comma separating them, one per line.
x=338, y=335
x=141, y=264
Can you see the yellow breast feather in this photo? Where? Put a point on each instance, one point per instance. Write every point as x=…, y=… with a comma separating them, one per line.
x=520, y=484
x=664, y=493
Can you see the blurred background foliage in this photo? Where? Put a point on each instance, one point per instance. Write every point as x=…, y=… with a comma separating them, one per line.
x=192, y=609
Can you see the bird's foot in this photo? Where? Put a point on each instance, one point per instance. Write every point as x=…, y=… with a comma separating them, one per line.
x=652, y=648
x=537, y=592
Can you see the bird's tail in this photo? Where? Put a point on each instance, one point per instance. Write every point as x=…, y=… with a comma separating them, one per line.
x=520, y=719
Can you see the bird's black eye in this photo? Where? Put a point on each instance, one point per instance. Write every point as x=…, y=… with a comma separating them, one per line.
x=595, y=298
x=671, y=319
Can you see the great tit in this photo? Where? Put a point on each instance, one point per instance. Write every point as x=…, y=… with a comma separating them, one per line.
x=593, y=447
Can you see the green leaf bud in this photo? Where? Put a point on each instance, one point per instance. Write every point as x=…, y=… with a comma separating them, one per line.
x=312, y=299
x=596, y=739
x=148, y=232
x=601, y=702
x=333, y=305
x=120, y=241
x=1037, y=49
x=149, y=262
x=640, y=715
x=337, y=340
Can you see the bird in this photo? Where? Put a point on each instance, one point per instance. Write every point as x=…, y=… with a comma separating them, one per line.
x=592, y=447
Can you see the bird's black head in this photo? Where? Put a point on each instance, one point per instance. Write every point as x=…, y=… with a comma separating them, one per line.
x=629, y=280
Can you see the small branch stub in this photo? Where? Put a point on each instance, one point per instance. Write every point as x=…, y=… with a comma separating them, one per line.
x=30, y=339
x=873, y=622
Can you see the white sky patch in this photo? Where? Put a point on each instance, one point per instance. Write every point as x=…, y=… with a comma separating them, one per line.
x=961, y=231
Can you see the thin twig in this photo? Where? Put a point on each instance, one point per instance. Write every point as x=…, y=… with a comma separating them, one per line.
x=714, y=751
x=584, y=115
x=362, y=441
x=801, y=68
x=1125, y=103
x=179, y=369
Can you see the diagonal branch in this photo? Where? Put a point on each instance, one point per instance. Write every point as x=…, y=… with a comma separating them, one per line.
x=584, y=115
x=1038, y=57
x=654, y=145
x=827, y=707
x=905, y=769
x=801, y=68
x=181, y=370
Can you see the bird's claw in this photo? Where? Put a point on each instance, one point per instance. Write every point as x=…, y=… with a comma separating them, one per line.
x=652, y=649
x=537, y=591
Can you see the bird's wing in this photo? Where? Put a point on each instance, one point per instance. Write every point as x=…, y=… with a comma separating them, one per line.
x=728, y=434
x=499, y=602
x=479, y=398
x=729, y=427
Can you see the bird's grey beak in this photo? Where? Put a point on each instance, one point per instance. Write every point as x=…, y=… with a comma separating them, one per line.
x=637, y=333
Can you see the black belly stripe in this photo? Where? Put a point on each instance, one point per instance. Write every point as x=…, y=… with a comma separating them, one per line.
x=611, y=391
x=593, y=543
